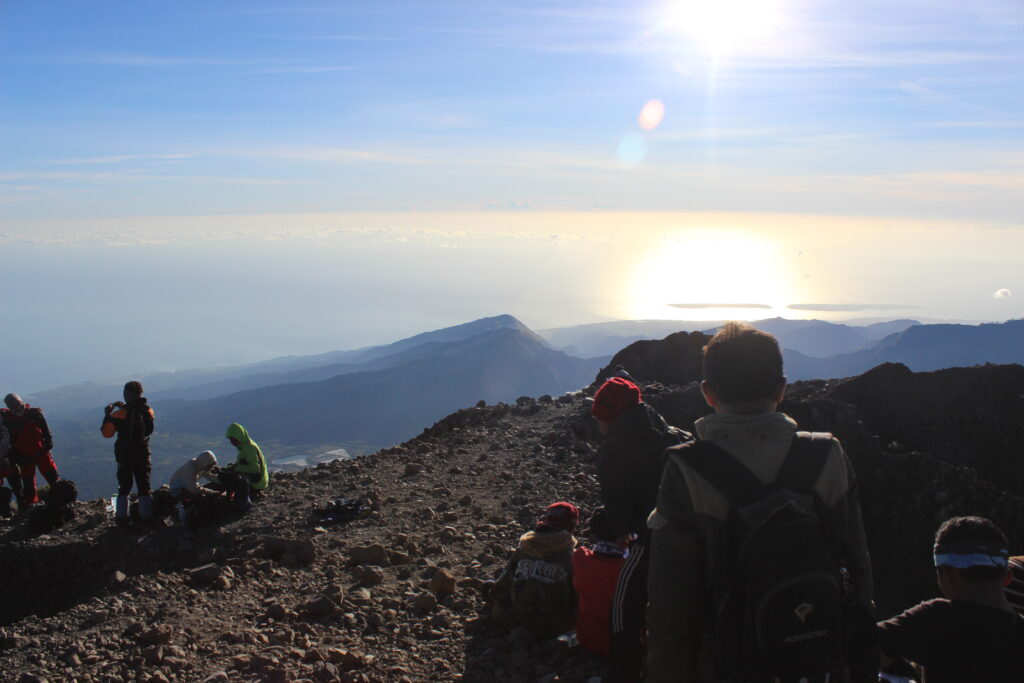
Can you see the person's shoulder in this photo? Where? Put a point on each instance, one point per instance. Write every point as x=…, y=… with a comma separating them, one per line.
x=936, y=608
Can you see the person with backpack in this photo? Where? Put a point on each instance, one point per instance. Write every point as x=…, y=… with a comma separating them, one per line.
x=759, y=565
x=629, y=464
x=30, y=446
x=132, y=421
x=595, y=573
x=972, y=633
x=535, y=588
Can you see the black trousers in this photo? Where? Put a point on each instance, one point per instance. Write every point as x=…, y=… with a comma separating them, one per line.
x=133, y=469
x=629, y=618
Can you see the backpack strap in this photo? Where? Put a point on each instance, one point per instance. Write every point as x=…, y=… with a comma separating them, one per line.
x=727, y=474
x=804, y=462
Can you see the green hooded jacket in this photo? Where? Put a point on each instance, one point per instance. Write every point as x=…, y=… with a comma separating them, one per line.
x=250, y=459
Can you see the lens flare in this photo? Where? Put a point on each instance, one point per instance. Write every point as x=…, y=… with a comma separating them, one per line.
x=651, y=115
x=632, y=150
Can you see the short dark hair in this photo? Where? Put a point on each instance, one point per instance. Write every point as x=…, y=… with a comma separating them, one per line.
x=742, y=363
x=973, y=528
x=133, y=387
x=598, y=526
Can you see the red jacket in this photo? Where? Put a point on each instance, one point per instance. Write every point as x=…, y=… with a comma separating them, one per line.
x=29, y=433
x=594, y=577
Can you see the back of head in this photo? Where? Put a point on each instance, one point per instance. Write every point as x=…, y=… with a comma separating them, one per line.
x=974, y=546
x=615, y=397
x=562, y=516
x=598, y=526
x=742, y=363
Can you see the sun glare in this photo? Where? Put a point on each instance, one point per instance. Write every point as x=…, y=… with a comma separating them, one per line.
x=712, y=275
x=724, y=26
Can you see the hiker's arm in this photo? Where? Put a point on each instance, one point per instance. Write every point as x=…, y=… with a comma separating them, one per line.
x=675, y=585
x=863, y=654
x=248, y=461
x=909, y=635
x=45, y=429
x=149, y=418
x=614, y=477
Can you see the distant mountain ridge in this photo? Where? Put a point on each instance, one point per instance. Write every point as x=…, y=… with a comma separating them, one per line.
x=210, y=382
x=921, y=348
x=389, y=404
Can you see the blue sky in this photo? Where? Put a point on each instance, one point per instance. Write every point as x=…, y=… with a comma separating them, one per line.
x=908, y=109
x=565, y=162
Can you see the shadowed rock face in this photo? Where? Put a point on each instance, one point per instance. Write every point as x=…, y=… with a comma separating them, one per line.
x=675, y=360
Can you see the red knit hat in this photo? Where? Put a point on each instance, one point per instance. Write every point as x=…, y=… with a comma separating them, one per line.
x=615, y=397
x=561, y=515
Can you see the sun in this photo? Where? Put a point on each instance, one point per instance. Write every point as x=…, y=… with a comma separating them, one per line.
x=725, y=26
x=707, y=274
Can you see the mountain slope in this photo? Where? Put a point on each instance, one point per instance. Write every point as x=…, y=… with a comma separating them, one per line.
x=921, y=348
x=387, y=405
x=202, y=383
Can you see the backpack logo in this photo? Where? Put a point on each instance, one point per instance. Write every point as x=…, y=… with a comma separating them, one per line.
x=803, y=611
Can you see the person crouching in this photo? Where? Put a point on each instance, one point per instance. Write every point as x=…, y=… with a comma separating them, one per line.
x=535, y=588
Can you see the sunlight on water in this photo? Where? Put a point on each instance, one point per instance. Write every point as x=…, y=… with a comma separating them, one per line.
x=703, y=274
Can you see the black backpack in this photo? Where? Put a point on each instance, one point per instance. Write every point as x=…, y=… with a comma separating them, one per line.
x=778, y=607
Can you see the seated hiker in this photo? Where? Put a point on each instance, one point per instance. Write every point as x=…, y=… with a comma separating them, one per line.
x=185, y=480
x=1015, y=586
x=57, y=508
x=250, y=466
x=535, y=588
x=971, y=634
x=595, y=573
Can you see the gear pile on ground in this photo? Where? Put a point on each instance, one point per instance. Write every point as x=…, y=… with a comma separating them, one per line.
x=393, y=596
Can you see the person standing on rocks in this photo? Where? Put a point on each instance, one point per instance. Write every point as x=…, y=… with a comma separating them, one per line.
x=9, y=472
x=629, y=464
x=972, y=633
x=30, y=446
x=132, y=421
x=807, y=585
x=535, y=588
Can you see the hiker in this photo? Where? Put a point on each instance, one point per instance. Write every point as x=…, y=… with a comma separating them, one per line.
x=972, y=633
x=132, y=420
x=9, y=473
x=249, y=471
x=185, y=480
x=802, y=564
x=629, y=464
x=595, y=573
x=30, y=446
x=1015, y=585
x=622, y=373
x=535, y=588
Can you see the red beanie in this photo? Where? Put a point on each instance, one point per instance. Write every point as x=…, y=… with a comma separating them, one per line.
x=561, y=515
x=615, y=397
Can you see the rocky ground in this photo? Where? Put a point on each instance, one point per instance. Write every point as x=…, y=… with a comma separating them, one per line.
x=272, y=596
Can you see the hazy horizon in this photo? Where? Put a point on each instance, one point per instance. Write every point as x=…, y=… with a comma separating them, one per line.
x=186, y=185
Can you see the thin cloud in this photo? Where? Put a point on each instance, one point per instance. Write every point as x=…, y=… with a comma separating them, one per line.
x=302, y=69
x=849, y=307
x=1003, y=294
x=119, y=158
x=700, y=306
